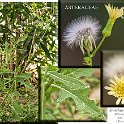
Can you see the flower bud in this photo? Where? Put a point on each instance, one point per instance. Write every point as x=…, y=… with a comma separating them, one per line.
x=108, y=28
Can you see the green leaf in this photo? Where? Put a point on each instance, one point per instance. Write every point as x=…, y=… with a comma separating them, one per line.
x=27, y=84
x=5, y=71
x=23, y=38
x=16, y=107
x=49, y=91
x=81, y=100
x=50, y=68
x=86, y=72
x=1, y=85
x=71, y=87
x=47, y=53
x=23, y=76
x=49, y=116
x=4, y=29
x=70, y=82
x=1, y=18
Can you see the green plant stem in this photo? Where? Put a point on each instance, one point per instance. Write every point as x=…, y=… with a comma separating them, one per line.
x=42, y=100
x=15, y=73
x=6, y=52
x=29, y=57
x=33, y=40
x=41, y=93
x=43, y=96
x=93, y=54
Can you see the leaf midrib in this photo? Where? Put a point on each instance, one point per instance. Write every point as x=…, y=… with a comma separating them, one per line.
x=73, y=95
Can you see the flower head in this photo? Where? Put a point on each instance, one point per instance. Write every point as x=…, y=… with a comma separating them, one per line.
x=114, y=66
x=82, y=31
x=114, y=12
x=116, y=89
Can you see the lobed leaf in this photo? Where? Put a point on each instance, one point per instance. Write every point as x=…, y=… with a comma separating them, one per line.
x=81, y=100
x=70, y=82
x=86, y=72
x=70, y=87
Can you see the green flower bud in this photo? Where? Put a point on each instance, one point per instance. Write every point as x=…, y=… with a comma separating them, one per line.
x=108, y=28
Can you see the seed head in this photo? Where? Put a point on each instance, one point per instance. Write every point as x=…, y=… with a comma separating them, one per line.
x=82, y=31
x=114, y=66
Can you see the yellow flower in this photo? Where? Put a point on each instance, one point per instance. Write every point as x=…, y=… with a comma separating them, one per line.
x=114, y=12
x=116, y=89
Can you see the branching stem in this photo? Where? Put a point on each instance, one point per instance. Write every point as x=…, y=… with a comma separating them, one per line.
x=93, y=54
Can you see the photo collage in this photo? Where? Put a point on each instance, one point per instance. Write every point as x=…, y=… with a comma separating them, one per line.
x=61, y=61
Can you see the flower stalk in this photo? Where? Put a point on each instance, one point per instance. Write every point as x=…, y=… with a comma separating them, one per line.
x=94, y=52
x=114, y=13
x=88, y=60
x=108, y=28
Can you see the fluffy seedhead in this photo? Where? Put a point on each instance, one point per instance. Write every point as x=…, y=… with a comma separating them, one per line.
x=114, y=66
x=82, y=31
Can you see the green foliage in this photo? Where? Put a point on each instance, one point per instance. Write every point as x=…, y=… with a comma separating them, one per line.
x=29, y=30
x=86, y=72
x=19, y=108
x=68, y=84
x=27, y=37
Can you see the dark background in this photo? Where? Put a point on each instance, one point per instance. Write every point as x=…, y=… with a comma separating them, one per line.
x=74, y=57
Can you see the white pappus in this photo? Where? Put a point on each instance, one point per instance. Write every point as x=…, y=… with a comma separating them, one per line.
x=114, y=66
x=82, y=31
